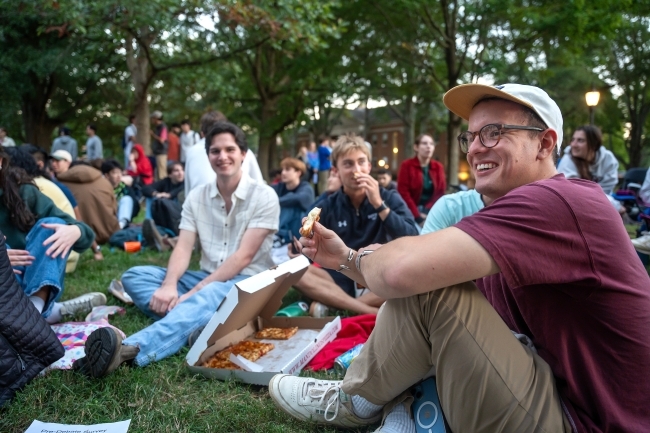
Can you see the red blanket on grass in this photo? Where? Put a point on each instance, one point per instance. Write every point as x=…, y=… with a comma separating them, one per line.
x=354, y=330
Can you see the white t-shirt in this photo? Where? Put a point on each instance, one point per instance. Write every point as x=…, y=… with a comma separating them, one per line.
x=254, y=205
x=198, y=170
x=188, y=140
x=644, y=192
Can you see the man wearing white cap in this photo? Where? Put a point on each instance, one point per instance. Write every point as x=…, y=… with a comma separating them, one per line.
x=540, y=255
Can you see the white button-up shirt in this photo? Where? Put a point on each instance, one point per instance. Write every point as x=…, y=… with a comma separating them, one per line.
x=254, y=205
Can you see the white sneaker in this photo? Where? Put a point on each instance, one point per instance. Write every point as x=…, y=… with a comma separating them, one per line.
x=319, y=401
x=82, y=304
x=642, y=244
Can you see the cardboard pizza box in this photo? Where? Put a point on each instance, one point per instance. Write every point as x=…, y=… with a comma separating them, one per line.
x=249, y=307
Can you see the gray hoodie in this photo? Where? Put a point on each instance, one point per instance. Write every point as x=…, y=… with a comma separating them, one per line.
x=65, y=142
x=604, y=170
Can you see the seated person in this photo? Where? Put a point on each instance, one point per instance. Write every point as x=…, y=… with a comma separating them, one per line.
x=244, y=212
x=127, y=204
x=542, y=267
x=296, y=196
x=421, y=180
x=39, y=237
x=451, y=208
x=362, y=213
x=21, y=159
x=586, y=158
x=94, y=194
x=139, y=168
x=164, y=204
x=197, y=166
x=333, y=184
x=385, y=179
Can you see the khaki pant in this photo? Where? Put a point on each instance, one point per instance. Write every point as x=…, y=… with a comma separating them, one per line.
x=487, y=380
x=323, y=175
x=161, y=167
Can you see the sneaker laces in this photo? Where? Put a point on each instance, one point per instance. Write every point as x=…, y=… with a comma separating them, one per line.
x=74, y=305
x=320, y=390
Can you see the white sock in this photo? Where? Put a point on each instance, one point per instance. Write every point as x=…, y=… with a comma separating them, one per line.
x=363, y=408
x=398, y=421
x=38, y=303
x=55, y=316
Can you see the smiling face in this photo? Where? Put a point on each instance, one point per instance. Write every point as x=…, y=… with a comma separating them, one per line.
x=579, y=147
x=225, y=156
x=350, y=163
x=516, y=160
x=177, y=174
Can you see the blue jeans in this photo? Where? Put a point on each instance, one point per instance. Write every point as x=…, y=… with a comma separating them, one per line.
x=169, y=334
x=147, y=208
x=44, y=271
x=125, y=210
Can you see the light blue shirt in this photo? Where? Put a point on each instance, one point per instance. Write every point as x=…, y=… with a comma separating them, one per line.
x=451, y=208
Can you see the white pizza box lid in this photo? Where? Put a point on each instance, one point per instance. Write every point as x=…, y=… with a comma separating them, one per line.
x=249, y=306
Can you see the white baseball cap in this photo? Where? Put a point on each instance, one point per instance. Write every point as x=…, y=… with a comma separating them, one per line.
x=62, y=155
x=461, y=100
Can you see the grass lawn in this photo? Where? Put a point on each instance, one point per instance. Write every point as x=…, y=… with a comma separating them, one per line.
x=162, y=397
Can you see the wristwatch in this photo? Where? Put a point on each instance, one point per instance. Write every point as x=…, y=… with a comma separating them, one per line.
x=98, y=249
x=381, y=207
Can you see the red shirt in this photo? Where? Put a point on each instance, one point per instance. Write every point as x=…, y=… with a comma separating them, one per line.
x=571, y=280
x=173, y=147
x=410, y=182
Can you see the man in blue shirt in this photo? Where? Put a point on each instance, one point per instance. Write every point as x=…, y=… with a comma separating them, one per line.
x=296, y=197
x=324, y=164
x=361, y=213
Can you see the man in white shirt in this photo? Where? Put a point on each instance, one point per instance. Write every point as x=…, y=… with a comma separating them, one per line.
x=197, y=165
x=235, y=219
x=129, y=138
x=188, y=138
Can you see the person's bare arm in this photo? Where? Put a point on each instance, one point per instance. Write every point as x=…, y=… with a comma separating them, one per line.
x=406, y=266
x=250, y=244
x=413, y=265
x=178, y=264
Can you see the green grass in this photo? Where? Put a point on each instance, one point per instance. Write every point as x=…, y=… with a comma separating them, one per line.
x=162, y=397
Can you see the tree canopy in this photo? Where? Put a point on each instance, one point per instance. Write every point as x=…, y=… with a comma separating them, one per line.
x=275, y=67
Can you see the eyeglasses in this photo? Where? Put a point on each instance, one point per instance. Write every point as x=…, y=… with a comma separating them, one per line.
x=489, y=135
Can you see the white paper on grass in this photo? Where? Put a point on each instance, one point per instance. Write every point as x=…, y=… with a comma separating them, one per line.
x=245, y=364
x=47, y=427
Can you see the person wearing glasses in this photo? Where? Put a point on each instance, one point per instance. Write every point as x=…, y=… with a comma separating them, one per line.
x=586, y=158
x=537, y=261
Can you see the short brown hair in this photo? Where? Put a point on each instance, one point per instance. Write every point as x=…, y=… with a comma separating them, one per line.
x=294, y=163
x=211, y=118
x=347, y=143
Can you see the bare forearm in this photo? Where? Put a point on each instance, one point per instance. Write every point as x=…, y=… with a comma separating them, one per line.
x=442, y=259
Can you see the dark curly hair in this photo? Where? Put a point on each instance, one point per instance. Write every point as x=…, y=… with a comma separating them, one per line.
x=11, y=178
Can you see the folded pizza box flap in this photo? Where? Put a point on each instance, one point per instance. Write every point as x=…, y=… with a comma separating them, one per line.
x=249, y=306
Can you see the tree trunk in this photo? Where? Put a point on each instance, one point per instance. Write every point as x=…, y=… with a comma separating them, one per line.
x=453, y=130
x=409, y=127
x=141, y=76
x=37, y=123
x=267, y=145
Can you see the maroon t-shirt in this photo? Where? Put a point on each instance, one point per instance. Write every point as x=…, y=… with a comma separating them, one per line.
x=571, y=280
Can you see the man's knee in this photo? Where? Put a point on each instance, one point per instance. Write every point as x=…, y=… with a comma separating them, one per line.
x=136, y=275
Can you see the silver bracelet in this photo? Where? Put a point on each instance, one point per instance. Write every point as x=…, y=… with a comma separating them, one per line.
x=344, y=267
x=357, y=262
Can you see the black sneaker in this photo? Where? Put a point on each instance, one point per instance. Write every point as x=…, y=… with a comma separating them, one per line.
x=104, y=353
x=152, y=236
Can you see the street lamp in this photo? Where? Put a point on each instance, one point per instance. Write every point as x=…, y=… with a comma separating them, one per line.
x=592, y=99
